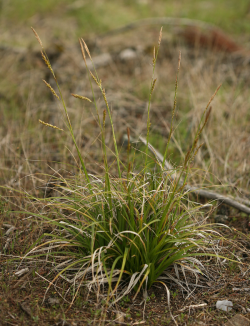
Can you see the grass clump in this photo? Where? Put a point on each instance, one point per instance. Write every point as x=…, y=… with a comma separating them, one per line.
x=122, y=231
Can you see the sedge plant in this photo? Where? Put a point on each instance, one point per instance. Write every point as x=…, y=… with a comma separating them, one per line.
x=115, y=234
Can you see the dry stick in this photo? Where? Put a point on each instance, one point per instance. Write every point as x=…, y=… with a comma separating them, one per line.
x=244, y=201
x=196, y=190
x=194, y=306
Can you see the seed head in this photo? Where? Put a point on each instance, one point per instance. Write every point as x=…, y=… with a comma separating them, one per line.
x=81, y=97
x=50, y=87
x=37, y=37
x=49, y=125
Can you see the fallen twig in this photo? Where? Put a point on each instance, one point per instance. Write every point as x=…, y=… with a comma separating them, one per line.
x=244, y=201
x=241, y=289
x=193, y=306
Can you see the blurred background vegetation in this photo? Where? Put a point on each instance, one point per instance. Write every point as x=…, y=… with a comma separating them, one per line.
x=24, y=99
x=98, y=16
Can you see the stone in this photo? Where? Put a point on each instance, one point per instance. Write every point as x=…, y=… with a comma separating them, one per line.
x=224, y=305
x=238, y=320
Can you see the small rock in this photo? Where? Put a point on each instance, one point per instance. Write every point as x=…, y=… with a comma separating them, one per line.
x=22, y=272
x=221, y=219
x=238, y=320
x=119, y=317
x=53, y=301
x=224, y=305
x=101, y=60
x=24, y=306
x=127, y=54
